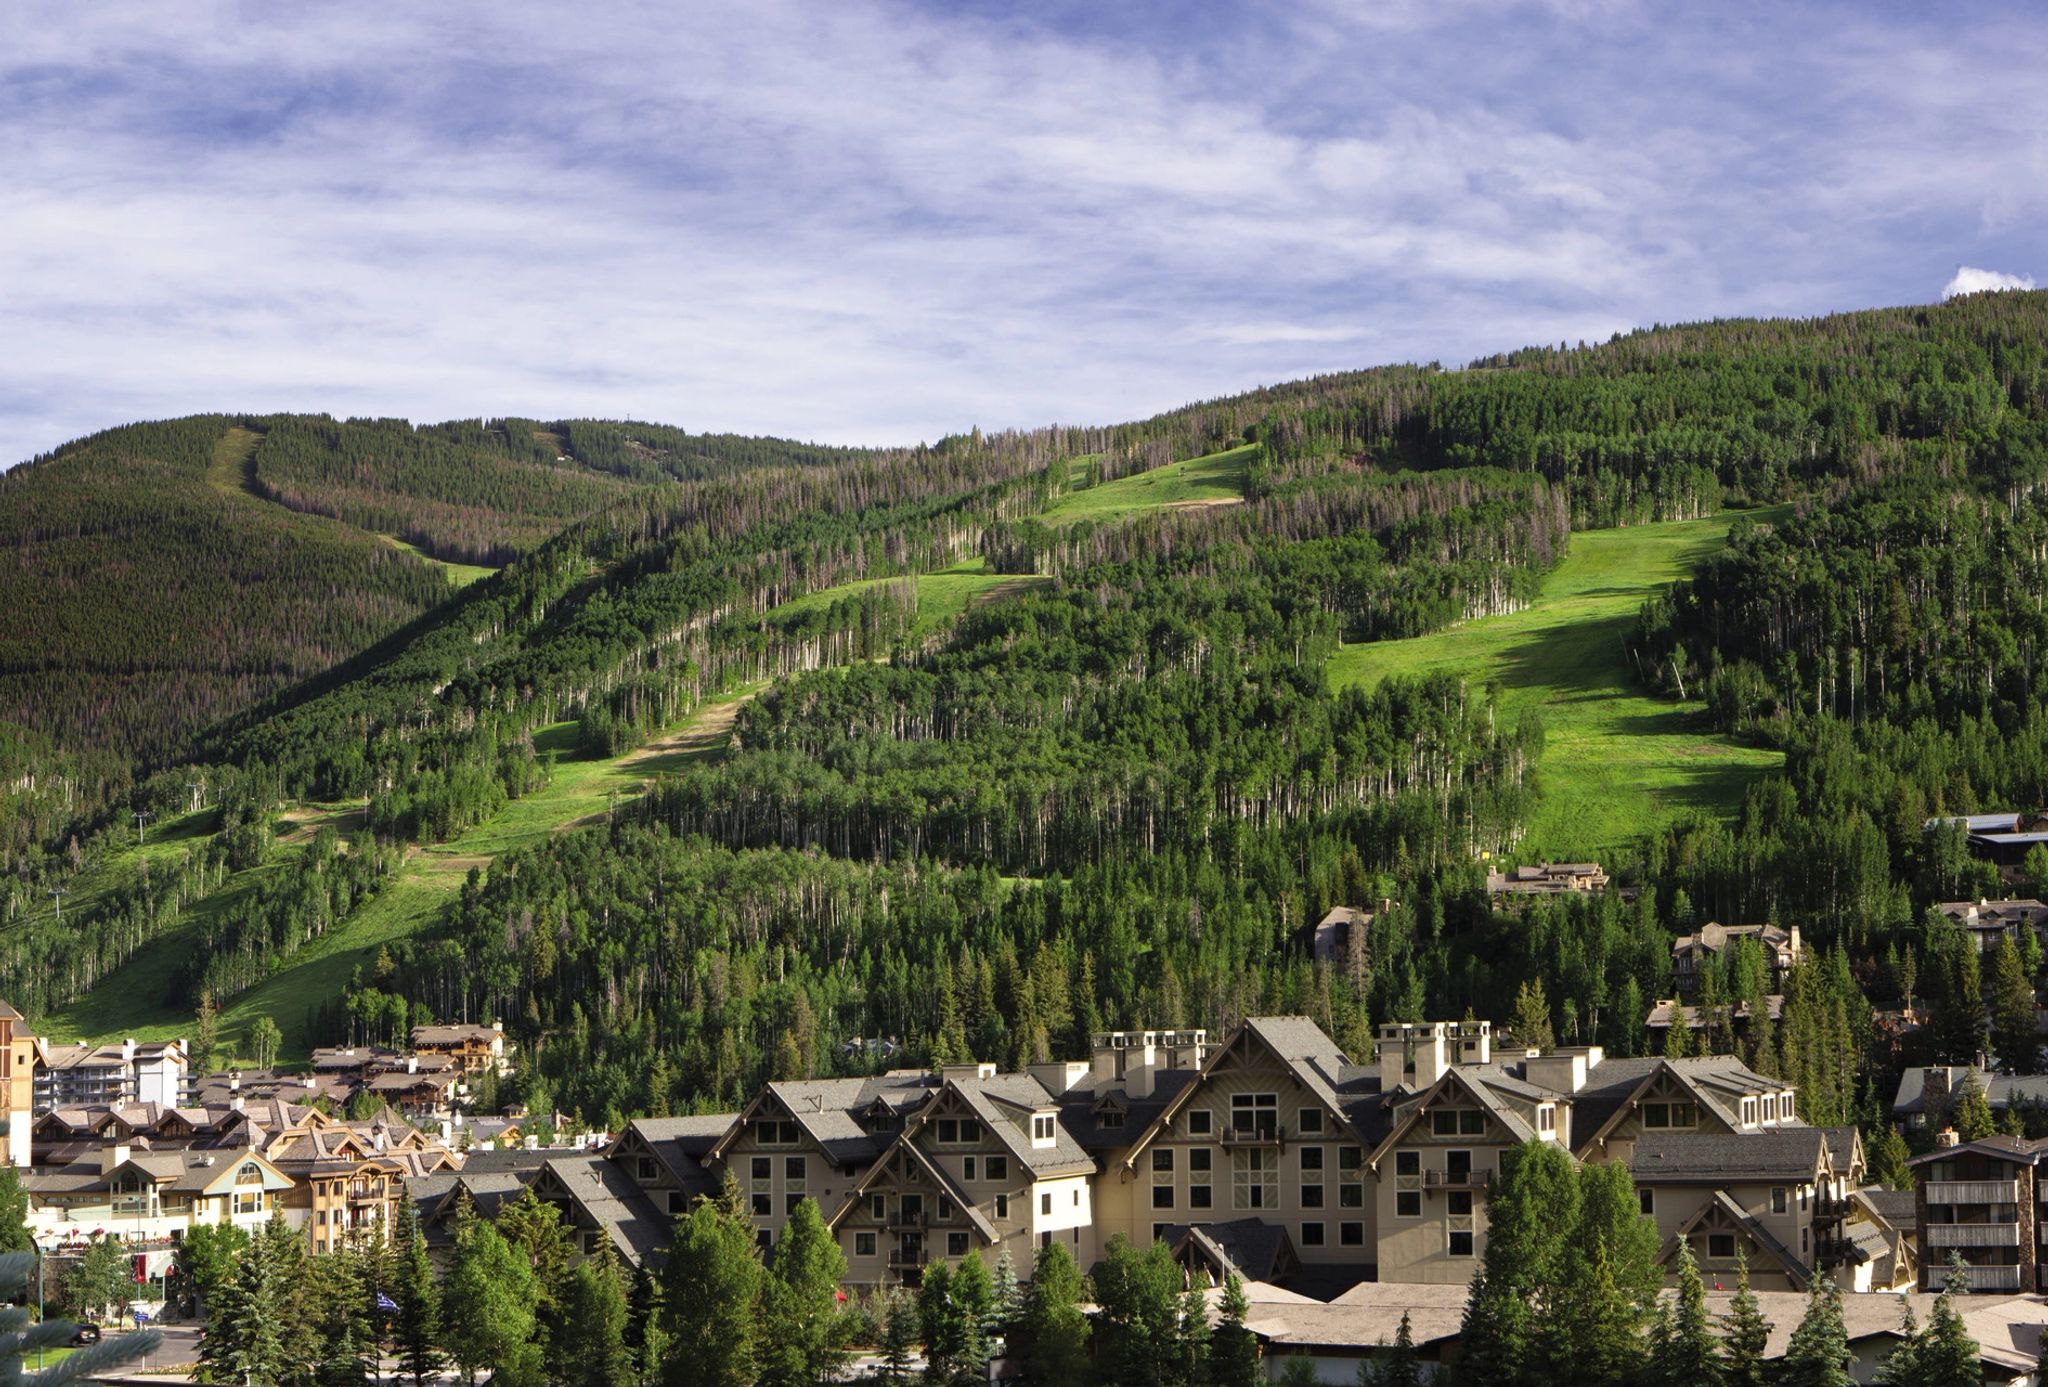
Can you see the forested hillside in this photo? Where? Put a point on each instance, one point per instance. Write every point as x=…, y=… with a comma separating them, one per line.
x=1041, y=731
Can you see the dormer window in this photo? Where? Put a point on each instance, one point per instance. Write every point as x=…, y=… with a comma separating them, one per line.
x=1042, y=1129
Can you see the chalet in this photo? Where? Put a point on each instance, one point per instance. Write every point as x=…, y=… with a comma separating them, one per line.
x=984, y=1167
x=1446, y=1140
x=1668, y=1012
x=1274, y=1126
x=1927, y=1093
x=1689, y=952
x=813, y=1137
x=1547, y=879
x=474, y=1049
x=1987, y=922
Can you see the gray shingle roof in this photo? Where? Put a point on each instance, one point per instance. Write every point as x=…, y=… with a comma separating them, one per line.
x=1790, y=1153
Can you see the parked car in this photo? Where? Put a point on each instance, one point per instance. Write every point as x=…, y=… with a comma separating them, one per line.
x=85, y=1334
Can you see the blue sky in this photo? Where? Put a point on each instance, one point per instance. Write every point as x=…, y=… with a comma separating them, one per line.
x=879, y=222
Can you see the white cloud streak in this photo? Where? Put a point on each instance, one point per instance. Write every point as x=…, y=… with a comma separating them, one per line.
x=878, y=222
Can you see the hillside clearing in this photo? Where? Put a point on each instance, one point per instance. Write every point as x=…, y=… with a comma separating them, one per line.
x=942, y=597
x=1616, y=761
x=1217, y=479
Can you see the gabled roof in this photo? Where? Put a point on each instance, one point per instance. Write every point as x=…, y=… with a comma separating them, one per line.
x=1348, y=1092
x=1615, y=1088
x=1253, y=1248
x=2018, y=1150
x=998, y=1102
x=905, y=1146
x=1475, y=1082
x=1732, y=1214
x=610, y=1200
x=826, y=1108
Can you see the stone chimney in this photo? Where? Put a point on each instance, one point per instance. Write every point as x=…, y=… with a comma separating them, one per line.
x=1946, y=1138
x=1414, y=1054
x=1935, y=1090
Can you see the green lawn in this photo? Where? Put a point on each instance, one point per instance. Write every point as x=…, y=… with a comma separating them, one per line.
x=1215, y=479
x=1616, y=760
x=942, y=597
x=460, y=575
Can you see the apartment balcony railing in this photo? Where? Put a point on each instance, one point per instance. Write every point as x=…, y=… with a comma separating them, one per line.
x=1973, y=1191
x=900, y=1258
x=901, y=1222
x=1972, y=1234
x=1992, y=1278
x=1457, y=1179
x=1829, y=1206
x=1254, y=1136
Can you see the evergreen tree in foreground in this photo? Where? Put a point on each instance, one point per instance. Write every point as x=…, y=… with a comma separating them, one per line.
x=711, y=1294
x=1233, y=1352
x=591, y=1343
x=806, y=1332
x=416, y=1328
x=1052, y=1336
x=1398, y=1367
x=1744, y=1332
x=1683, y=1350
x=1818, y=1355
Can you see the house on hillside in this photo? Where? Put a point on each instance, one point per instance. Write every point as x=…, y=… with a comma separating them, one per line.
x=1547, y=879
x=1988, y=922
x=1781, y=947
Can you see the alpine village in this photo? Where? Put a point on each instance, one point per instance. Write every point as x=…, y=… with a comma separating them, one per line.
x=1529, y=871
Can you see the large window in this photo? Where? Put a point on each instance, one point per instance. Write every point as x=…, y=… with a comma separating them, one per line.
x=776, y=1132
x=1255, y=1179
x=1255, y=1114
x=1662, y=1115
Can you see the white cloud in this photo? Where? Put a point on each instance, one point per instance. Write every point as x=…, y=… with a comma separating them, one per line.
x=878, y=221
x=1969, y=279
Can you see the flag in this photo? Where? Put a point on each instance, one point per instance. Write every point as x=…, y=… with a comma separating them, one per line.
x=385, y=1302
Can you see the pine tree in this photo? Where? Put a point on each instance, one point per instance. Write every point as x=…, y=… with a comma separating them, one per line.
x=1946, y=1352
x=488, y=1307
x=1233, y=1350
x=1972, y=1116
x=973, y=1302
x=590, y=1348
x=1818, y=1354
x=1398, y=1366
x=940, y=1326
x=1052, y=1344
x=711, y=1293
x=1888, y=1156
x=899, y=1338
x=1008, y=1298
x=1596, y=1329
x=1902, y=1366
x=242, y=1342
x=1530, y=1021
x=2013, y=1032
x=416, y=1331
x=804, y=1332
x=1745, y=1333
x=1140, y=1331
x=1686, y=1353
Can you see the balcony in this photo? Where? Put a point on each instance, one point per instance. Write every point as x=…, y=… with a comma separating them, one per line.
x=908, y=1223
x=1457, y=1179
x=1992, y=1278
x=1271, y=1137
x=903, y=1258
x=1971, y=1234
x=1973, y=1191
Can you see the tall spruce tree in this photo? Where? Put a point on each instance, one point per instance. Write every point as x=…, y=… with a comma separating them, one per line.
x=1745, y=1333
x=710, y=1301
x=804, y=1331
x=1398, y=1366
x=1686, y=1353
x=1901, y=1367
x=2014, y=1034
x=590, y=1347
x=1052, y=1338
x=416, y=1328
x=1818, y=1354
x=1233, y=1351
